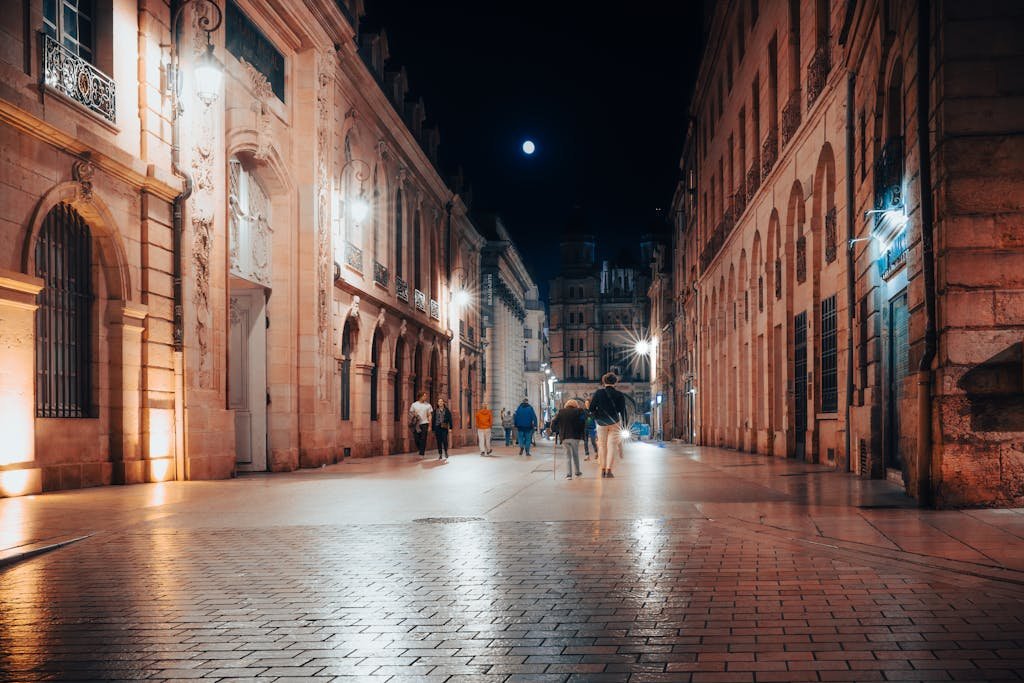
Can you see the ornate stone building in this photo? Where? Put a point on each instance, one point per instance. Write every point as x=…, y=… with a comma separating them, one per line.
x=200, y=280
x=512, y=317
x=598, y=314
x=848, y=247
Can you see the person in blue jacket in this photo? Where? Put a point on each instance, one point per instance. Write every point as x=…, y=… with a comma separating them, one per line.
x=525, y=421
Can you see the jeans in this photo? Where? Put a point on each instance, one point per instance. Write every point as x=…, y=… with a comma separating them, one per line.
x=525, y=439
x=609, y=443
x=441, y=436
x=484, y=437
x=572, y=455
x=508, y=436
x=590, y=438
x=421, y=438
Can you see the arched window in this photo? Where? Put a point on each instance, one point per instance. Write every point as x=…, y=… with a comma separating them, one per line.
x=417, y=372
x=572, y=371
x=580, y=373
x=398, y=234
x=435, y=377
x=572, y=344
x=63, y=322
x=399, y=379
x=374, y=376
x=579, y=345
x=377, y=238
x=346, y=371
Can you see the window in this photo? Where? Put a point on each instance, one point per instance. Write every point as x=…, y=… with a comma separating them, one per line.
x=399, y=380
x=398, y=234
x=572, y=344
x=374, y=376
x=527, y=333
x=579, y=345
x=346, y=372
x=70, y=22
x=417, y=273
x=63, y=324
x=572, y=370
x=829, y=384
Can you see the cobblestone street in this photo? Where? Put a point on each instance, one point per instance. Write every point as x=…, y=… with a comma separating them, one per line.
x=692, y=565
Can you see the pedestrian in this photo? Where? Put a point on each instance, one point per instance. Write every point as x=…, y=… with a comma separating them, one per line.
x=569, y=425
x=442, y=425
x=590, y=433
x=484, y=421
x=419, y=420
x=608, y=406
x=506, y=424
x=525, y=421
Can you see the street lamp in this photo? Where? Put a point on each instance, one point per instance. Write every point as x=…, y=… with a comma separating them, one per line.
x=207, y=72
x=359, y=207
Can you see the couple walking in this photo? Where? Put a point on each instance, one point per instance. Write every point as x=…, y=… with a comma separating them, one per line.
x=608, y=408
x=423, y=417
x=524, y=420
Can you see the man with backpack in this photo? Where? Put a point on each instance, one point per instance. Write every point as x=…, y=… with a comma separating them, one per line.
x=525, y=421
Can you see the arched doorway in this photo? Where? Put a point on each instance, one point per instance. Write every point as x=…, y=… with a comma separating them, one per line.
x=249, y=243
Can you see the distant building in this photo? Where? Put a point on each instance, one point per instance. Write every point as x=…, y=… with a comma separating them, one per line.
x=849, y=268
x=511, y=318
x=597, y=315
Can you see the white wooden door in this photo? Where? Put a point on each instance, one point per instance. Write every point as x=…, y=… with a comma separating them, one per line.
x=247, y=378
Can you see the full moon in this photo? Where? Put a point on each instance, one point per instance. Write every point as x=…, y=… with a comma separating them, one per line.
x=529, y=147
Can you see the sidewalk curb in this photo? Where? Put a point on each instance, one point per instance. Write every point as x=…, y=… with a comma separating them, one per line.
x=14, y=555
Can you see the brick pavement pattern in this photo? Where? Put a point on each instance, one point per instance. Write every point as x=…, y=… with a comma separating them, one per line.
x=616, y=600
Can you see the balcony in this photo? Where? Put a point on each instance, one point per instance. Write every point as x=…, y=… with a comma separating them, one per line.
x=817, y=74
x=533, y=366
x=791, y=117
x=380, y=274
x=353, y=257
x=769, y=152
x=714, y=244
x=739, y=204
x=889, y=179
x=420, y=300
x=753, y=180
x=66, y=73
x=435, y=310
x=402, y=289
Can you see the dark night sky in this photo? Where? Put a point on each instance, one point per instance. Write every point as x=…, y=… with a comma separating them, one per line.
x=603, y=94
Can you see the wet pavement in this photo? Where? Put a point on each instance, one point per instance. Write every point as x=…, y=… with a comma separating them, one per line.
x=691, y=565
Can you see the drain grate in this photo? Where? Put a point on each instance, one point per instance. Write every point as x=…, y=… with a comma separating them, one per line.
x=447, y=520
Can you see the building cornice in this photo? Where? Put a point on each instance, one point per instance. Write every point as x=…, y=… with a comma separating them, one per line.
x=134, y=172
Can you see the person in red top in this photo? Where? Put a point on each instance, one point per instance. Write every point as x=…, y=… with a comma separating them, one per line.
x=484, y=422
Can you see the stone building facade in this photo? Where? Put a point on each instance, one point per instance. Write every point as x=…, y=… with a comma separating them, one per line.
x=598, y=312
x=196, y=282
x=512, y=317
x=850, y=290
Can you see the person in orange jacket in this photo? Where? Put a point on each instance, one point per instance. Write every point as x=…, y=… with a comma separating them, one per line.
x=484, y=421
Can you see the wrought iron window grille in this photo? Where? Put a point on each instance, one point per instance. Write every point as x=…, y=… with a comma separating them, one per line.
x=75, y=78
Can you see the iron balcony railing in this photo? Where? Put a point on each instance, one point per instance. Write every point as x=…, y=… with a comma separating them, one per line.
x=353, y=256
x=66, y=73
x=435, y=310
x=421, y=300
x=791, y=117
x=889, y=179
x=753, y=179
x=380, y=274
x=817, y=74
x=402, y=289
x=769, y=152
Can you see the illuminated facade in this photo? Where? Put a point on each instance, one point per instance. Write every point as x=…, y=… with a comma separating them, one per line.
x=598, y=313
x=277, y=310
x=837, y=301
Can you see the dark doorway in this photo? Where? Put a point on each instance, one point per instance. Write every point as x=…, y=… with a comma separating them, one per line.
x=898, y=361
x=800, y=384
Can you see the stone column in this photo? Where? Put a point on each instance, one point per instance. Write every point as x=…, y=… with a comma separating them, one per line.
x=19, y=474
x=125, y=327
x=360, y=416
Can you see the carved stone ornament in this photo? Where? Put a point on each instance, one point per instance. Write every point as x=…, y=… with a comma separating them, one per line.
x=325, y=264
x=383, y=153
x=403, y=328
x=262, y=92
x=83, y=171
x=801, y=258
x=830, y=235
x=353, y=311
x=381, y=316
x=778, y=278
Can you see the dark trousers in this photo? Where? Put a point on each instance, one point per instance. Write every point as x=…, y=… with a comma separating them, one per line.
x=441, y=436
x=508, y=436
x=420, y=435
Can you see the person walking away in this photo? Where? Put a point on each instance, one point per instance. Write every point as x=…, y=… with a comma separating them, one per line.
x=569, y=426
x=590, y=435
x=484, y=422
x=608, y=406
x=587, y=420
x=525, y=421
x=506, y=424
x=419, y=420
x=442, y=425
